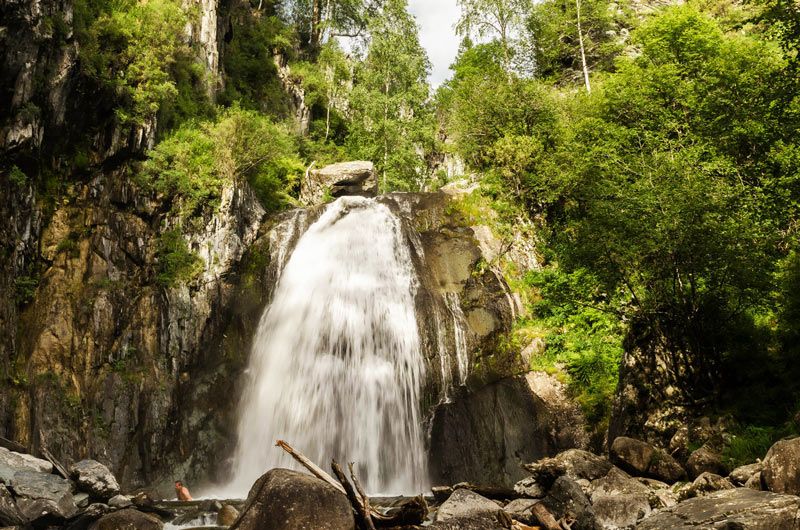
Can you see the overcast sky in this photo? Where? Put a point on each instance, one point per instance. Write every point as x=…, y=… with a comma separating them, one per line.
x=437, y=19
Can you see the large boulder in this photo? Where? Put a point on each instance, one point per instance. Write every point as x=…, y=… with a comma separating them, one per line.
x=287, y=500
x=574, y=463
x=11, y=462
x=781, y=472
x=643, y=459
x=739, y=508
x=43, y=498
x=127, y=519
x=346, y=178
x=464, y=503
x=94, y=478
x=485, y=437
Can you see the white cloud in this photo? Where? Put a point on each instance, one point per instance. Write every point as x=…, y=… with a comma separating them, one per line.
x=438, y=19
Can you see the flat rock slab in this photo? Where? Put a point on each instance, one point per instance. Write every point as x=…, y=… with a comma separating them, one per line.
x=22, y=462
x=729, y=509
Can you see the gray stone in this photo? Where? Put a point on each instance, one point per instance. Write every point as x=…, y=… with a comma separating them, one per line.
x=81, y=500
x=705, y=460
x=706, y=483
x=614, y=512
x=566, y=497
x=754, y=482
x=520, y=510
x=127, y=519
x=94, y=478
x=528, y=487
x=738, y=508
x=120, y=501
x=617, y=482
x=742, y=474
x=227, y=515
x=346, y=178
x=781, y=472
x=465, y=503
x=10, y=514
x=209, y=505
x=21, y=462
x=36, y=485
x=643, y=459
x=287, y=500
x=46, y=512
x=574, y=463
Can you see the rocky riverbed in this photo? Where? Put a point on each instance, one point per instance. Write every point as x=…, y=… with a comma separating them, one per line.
x=635, y=486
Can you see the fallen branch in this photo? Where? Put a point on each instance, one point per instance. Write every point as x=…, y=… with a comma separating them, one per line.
x=544, y=517
x=361, y=511
x=311, y=466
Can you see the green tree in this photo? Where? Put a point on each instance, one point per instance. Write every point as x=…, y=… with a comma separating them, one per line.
x=391, y=120
x=501, y=18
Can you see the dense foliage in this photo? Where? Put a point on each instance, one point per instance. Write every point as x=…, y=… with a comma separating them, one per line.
x=669, y=193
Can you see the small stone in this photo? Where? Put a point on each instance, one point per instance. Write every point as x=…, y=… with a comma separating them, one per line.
x=465, y=503
x=742, y=474
x=521, y=510
x=643, y=459
x=528, y=487
x=120, y=501
x=81, y=500
x=210, y=505
x=754, y=482
x=227, y=515
x=707, y=483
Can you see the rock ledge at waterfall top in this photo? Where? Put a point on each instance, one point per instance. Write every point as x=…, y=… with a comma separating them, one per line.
x=346, y=178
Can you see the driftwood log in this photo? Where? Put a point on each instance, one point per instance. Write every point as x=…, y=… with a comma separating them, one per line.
x=414, y=512
x=411, y=513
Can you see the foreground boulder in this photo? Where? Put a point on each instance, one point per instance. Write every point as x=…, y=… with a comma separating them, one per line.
x=566, y=498
x=781, y=467
x=733, y=509
x=287, y=500
x=463, y=504
x=127, y=520
x=346, y=178
x=95, y=479
x=642, y=459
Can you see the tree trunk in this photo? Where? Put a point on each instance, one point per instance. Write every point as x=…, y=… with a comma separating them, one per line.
x=316, y=16
x=583, y=53
x=385, y=133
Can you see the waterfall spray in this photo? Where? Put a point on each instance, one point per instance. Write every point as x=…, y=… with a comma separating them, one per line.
x=336, y=367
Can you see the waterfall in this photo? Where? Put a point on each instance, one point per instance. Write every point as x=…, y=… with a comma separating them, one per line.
x=336, y=367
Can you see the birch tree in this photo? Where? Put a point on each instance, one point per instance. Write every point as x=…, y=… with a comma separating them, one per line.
x=391, y=121
x=500, y=18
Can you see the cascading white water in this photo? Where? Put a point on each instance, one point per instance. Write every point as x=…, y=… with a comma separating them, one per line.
x=336, y=368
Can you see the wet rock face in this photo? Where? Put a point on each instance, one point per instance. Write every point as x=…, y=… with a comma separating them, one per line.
x=781, y=467
x=729, y=509
x=485, y=437
x=288, y=500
